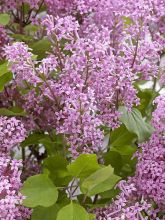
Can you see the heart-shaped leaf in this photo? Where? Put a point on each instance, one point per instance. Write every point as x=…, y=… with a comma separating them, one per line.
x=83, y=166
x=72, y=212
x=39, y=191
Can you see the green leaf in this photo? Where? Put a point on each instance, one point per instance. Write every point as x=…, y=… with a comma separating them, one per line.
x=50, y=146
x=120, y=158
x=15, y=111
x=114, y=159
x=33, y=139
x=3, y=68
x=145, y=99
x=45, y=213
x=22, y=37
x=110, y=194
x=83, y=166
x=32, y=28
x=41, y=47
x=127, y=21
x=92, y=216
x=37, y=138
x=39, y=191
x=88, y=200
x=53, y=145
x=134, y=123
x=72, y=212
x=57, y=170
x=146, y=106
x=121, y=136
x=124, y=150
x=4, y=79
x=100, y=181
x=4, y=19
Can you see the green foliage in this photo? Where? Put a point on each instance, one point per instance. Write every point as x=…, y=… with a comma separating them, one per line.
x=120, y=151
x=3, y=68
x=115, y=160
x=14, y=111
x=121, y=136
x=146, y=101
x=135, y=123
x=5, y=75
x=41, y=48
x=112, y=193
x=52, y=145
x=22, y=37
x=83, y=166
x=4, y=79
x=32, y=28
x=127, y=21
x=4, y=19
x=72, y=212
x=57, y=166
x=34, y=138
x=91, y=216
x=45, y=213
x=39, y=191
x=100, y=181
x=120, y=158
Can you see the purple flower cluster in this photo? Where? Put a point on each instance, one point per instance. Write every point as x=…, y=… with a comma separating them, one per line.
x=12, y=132
x=85, y=93
x=21, y=63
x=150, y=170
x=158, y=120
x=148, y=184
x=14, y=4
x=127, y=206
x=59, y=28
x=65, y=7
x=10, y=197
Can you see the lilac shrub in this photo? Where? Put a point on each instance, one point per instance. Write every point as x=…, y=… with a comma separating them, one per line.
x=74, y=102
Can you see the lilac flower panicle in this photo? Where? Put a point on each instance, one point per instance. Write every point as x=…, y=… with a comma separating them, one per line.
x=12, y=132
x=10, y=197
x=21, y=62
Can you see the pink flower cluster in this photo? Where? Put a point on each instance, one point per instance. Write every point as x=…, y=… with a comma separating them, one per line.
x=10, y=197
x=150, y=171
x=126, y=206
x=148, y=184
x=14, y=4
x=12, y=132
x=23, y=65
x=85, y=87
x=158, y=120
